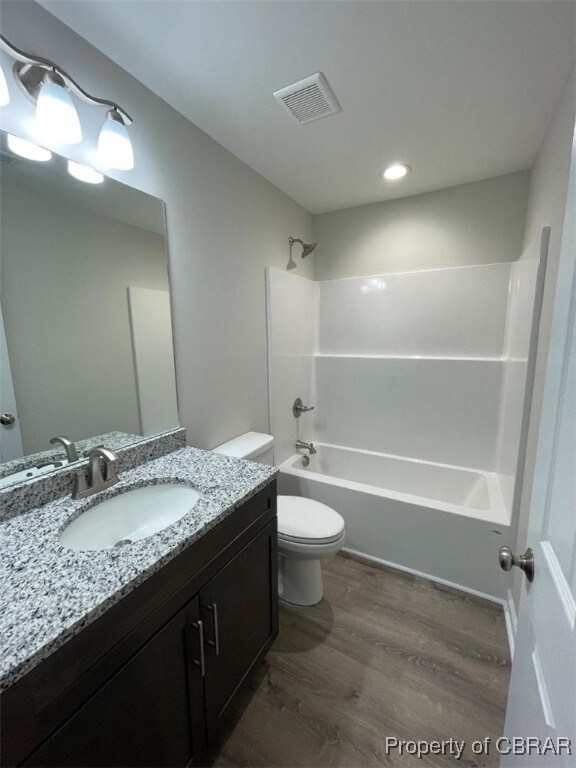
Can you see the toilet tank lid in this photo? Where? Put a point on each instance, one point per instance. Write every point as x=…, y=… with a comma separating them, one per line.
x=246, y=446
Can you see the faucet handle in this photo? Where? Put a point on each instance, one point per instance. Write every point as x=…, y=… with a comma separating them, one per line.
x=80, y=484
x=299, y=407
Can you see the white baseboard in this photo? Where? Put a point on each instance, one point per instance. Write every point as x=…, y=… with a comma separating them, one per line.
x=445, y=582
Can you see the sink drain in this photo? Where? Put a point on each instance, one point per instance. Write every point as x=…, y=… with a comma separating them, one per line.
x=122, y=542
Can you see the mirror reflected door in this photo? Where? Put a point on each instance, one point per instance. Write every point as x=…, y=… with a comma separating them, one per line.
x=10, y=437
x=73, y=258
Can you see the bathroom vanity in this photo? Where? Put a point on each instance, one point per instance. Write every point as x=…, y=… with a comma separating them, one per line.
x=146, y=669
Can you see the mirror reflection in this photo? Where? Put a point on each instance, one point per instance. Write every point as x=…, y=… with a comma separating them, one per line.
x=86, y=350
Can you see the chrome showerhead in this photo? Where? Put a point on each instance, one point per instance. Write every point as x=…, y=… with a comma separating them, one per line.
x=307, y=248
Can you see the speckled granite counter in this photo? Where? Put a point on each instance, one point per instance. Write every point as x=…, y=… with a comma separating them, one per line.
x=49, y=593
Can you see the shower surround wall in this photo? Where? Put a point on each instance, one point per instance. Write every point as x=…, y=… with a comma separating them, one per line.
x=416, y=358
x=429, y=366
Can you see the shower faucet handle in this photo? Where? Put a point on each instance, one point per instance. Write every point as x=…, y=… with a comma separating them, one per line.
x=299, y=407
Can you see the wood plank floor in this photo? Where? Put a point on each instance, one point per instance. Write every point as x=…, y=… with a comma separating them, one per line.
x=383, y=654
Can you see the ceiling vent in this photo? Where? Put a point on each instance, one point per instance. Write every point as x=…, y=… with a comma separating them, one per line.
x=308, y=99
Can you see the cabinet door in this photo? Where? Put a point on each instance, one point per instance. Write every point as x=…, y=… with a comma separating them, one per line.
x=239, y=608
x=150, y=713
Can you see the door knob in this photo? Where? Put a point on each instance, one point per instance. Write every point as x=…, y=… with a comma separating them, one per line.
x=7, y=419
x=525, y=562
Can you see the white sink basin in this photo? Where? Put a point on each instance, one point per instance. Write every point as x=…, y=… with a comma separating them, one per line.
x=129, y=517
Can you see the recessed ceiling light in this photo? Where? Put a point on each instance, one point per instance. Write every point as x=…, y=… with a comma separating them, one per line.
x=396, y=171
x=84, y=173
x=27, y=149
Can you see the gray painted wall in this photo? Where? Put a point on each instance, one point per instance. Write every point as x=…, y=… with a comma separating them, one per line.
x=477, y=223
x=546, y=207
x=225, y=224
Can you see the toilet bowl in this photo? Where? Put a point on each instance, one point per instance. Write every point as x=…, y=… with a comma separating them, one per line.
x=308, y=531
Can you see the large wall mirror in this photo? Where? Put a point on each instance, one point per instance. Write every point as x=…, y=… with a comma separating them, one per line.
x=86, y=346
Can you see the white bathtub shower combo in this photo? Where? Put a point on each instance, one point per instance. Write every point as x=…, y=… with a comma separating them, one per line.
x=419, y=386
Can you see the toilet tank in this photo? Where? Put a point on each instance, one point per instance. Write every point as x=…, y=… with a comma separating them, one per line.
x=255, y=446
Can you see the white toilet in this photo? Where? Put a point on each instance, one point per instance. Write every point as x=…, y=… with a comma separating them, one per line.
x=308, y=531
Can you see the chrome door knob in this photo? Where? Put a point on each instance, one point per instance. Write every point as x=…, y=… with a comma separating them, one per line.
x=7, y=419
x=525, y=562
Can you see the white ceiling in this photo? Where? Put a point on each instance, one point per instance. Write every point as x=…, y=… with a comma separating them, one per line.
x=459, y=90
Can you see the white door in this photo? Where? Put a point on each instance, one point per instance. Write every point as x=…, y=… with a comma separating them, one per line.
x=151, y=328
x=542, y=701
x=10, y=437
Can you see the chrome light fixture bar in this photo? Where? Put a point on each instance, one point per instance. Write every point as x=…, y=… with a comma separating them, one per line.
x=34, y=73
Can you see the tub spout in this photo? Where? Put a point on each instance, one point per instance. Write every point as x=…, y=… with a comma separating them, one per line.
x=306, y=446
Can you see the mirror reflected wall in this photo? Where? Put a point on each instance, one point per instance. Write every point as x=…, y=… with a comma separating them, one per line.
x=86, y=346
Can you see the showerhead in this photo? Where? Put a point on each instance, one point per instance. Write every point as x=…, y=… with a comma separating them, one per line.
x=307, y=248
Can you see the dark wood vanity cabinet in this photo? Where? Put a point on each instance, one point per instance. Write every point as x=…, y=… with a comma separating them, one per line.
x=144, y=715
x=159, y=671
x=235, y=607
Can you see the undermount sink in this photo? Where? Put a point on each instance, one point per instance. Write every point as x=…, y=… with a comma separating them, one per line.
x=129, y=516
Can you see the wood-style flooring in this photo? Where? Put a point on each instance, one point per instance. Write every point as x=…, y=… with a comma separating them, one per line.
x=384, y=654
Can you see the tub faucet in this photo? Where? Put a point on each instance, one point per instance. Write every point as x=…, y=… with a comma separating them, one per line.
x=68, y=445
x=307, y=446
x=299, y=407
x=96, y=480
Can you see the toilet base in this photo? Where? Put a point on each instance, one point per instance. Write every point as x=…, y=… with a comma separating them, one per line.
x=300, y=581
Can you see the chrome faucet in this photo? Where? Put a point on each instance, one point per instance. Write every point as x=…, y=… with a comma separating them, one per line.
x=307, y=446
x=96, y=480
x=68, y=445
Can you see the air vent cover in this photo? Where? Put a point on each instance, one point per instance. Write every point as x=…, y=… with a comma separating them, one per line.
x=308, y=99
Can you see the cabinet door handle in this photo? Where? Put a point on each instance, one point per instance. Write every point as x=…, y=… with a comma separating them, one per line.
x=216, y=642
x=200, y=627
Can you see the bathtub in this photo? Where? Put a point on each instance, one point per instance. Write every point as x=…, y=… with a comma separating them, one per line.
x=442, y=522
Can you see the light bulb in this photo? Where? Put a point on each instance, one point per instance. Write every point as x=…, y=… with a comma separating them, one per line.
x=27, y=149
x=396, y=171
x=114, y=145
x=84, y=173
x=4, y=95
x=56, y=115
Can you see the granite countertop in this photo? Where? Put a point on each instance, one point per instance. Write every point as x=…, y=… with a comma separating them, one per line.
x=49, y=592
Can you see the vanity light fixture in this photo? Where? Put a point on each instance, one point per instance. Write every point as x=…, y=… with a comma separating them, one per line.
x=51, y=89
x=114, y=146
x=56, y=116
x=27, y=149
x=4, y=95
x=396, y=171
x=84, y=173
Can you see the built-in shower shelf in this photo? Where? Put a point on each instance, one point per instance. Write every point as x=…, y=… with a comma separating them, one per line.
x=455, y=358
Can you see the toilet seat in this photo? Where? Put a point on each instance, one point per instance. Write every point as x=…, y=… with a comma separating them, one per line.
x=302, y=540
x=304, y=521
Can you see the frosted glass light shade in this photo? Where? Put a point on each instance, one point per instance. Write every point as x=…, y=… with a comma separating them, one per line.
x=114, y=145
x=4, y=95
x=27, y=149
x=56, y=115
x=84, y=173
